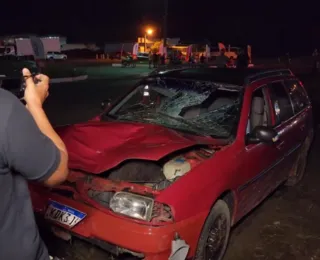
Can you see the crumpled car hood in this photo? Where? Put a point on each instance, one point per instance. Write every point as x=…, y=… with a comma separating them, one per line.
x=98, y=146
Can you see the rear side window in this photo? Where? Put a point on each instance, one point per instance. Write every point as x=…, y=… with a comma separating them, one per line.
x=297, y=95
x=280, y=102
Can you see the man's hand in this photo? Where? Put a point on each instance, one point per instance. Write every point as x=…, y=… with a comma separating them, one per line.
x=35, y=94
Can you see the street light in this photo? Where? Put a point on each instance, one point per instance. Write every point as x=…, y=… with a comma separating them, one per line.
x=148, y=32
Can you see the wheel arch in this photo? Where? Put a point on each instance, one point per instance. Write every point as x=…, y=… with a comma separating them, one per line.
x=229, y=197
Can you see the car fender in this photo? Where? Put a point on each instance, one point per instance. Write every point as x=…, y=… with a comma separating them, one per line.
x=198, y=190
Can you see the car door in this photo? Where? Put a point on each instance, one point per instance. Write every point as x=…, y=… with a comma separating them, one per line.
x=260, y=162
x=286, y=125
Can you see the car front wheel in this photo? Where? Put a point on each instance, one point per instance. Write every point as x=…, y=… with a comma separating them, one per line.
x=214, y=237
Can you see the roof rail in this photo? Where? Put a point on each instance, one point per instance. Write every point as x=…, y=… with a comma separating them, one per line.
x=268, y=73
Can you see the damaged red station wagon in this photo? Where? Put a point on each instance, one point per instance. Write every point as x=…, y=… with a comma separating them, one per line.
x=180, y=159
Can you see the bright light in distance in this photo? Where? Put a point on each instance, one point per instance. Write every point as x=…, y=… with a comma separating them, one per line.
x=149, y=31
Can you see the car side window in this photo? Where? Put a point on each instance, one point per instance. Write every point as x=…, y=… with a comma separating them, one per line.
x=259, y=113
x=297, y=95
x=281, y=103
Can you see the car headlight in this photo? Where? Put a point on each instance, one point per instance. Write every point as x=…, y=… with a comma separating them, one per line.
x=132, y=205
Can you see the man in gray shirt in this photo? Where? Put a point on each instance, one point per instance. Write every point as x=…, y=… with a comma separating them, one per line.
x=30, y=150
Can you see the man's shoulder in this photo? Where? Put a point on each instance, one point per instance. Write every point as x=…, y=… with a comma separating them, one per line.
x=7, y=102
x=6, y=97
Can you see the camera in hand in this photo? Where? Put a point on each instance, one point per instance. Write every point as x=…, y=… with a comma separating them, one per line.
x=23, y=81
x=20, y=93
x=16, y=85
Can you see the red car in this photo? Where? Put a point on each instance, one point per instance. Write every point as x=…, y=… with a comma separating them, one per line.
x=180, y=159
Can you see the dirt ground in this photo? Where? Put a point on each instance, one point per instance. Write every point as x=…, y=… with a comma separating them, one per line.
x=284, y=227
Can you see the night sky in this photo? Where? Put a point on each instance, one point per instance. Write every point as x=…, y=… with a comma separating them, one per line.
x=270, y=26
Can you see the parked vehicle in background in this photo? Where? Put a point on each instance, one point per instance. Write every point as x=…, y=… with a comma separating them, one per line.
x=17, y=47
x=29, y=46
x=51, y=44
x=143, y=57
x=53, y=55
x=117, y=55
x=184, y=156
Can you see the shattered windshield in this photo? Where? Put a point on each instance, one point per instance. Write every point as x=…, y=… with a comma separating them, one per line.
x=203, y=108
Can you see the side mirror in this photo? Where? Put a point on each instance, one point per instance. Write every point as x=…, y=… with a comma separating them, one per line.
x=105, y=104
x=262, y=134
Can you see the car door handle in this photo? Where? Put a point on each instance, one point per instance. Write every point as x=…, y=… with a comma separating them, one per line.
x=302, y=127
x=280, y=145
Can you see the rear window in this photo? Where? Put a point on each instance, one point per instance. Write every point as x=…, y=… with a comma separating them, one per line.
x=297, y=95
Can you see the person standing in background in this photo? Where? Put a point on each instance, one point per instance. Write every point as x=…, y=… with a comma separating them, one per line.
x=150, y=59
x=202, y=59
x=242, y=59
x=163, y=59
x=222, y=60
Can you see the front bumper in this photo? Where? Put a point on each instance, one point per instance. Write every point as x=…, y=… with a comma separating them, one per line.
x=117, y=234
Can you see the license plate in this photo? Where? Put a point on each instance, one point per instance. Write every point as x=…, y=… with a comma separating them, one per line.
x=63, y=214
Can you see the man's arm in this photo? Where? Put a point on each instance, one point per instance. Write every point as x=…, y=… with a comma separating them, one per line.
x=46, y=128
x=33, y=148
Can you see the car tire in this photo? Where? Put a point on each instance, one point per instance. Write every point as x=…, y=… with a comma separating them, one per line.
x=299, y=167
x=216, y=227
